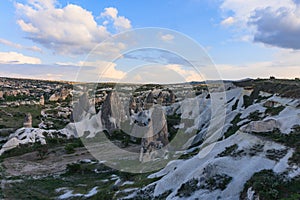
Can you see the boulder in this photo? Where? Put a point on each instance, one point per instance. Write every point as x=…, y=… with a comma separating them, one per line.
x=261, y=126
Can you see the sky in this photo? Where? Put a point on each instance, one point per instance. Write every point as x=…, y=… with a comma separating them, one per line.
x=149, y=41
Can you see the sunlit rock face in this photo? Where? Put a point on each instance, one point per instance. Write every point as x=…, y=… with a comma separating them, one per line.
x=112, y=112
x=81, y=108
x=60, y=95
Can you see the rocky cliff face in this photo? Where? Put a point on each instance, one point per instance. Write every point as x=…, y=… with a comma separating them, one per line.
x=156, y=135
x=81, y=108
x=248, y=144
x=28, y=121
x=112, y=112
x=60, y=95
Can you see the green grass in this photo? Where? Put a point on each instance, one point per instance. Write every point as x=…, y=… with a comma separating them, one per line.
x=51, y=143
x=18, y=115
x=79, y=177
x=283, y=87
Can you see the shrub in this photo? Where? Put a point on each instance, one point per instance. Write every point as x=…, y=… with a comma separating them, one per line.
x=69, y=148
x=274, y=110
x=228, y=151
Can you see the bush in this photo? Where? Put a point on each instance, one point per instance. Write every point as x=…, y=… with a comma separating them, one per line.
x=228, y=151
x=274, y=110
x=255, y=116
x=73, y=168
x=69, y=148
x=188, y=188
x=269, y=185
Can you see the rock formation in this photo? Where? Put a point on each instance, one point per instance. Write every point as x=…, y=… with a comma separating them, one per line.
x=171, y=98
x=81, y=108
x=261, y=126
x=28, y=121
x=61, y=95
x=149, y=101
x=42, y=100
x=132, y=105
x=156, y=136
x=112, y=113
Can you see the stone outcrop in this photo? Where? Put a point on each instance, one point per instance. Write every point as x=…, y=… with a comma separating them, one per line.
x=112, y=112
x=261, y=126
x=132, y=105
x=81, y=108
x=271, y=104
x=171, y=98
x=42, y=100
x=156, y=136
x=149, y=101
x=28, y=121
x=61, y=95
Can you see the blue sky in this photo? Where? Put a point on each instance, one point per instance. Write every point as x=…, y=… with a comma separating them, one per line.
x=51, y=39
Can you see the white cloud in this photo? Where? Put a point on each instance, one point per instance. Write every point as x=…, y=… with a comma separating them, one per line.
x=188, y=75
x=17, y=58
x=120, y=22
x=167, y=37
x=103, y=70
x=272, y=22
x=228, y=21
x=27, y=27
x=19, y=46
x=67, y=30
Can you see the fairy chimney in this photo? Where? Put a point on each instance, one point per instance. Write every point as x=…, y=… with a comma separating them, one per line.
x=28, y=121
x=42, y=100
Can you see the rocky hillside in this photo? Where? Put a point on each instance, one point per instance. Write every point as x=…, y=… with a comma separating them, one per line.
x=239, y=144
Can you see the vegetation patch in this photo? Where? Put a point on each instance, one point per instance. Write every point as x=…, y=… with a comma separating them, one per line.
x=257, y=148
x=234, y=128
x=282, y=87
x=13, y=117
x=173, y=120
x=274, y=110
x=275, y=154
x=255, y=116
x=269, y=185
x=231, y=151
x=42, y=150
x=235, y=105
x=219, y=181
x=188, y=188
x=189, y=155
x=291, y=140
